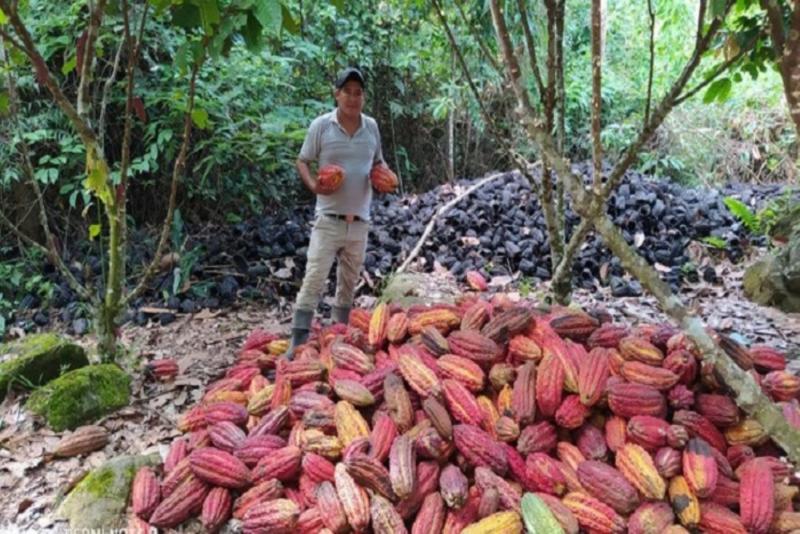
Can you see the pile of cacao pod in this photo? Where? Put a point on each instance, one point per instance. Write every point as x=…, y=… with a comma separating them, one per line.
x=483, y=416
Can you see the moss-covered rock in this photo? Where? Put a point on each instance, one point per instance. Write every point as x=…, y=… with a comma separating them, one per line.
x=37, y=359
x=408, y=289
x=81, y=396
x=100, y=499
x=775, y=279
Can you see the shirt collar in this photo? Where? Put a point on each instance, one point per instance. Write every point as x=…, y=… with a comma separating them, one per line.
x=335, y=118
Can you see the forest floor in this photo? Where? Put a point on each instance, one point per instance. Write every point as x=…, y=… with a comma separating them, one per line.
x=205, y=344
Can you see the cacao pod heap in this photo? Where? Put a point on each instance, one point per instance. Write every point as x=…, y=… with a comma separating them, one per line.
x=485, y=416
x=329, y=179
x=383, y=179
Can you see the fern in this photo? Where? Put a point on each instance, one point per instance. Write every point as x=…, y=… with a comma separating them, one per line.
x=744, y=214
x=716, y=242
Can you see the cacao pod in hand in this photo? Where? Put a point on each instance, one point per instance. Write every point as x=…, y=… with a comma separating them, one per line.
x=383, y=179
x=329, y=179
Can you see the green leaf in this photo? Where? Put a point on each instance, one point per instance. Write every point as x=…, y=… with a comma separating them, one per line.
x=269, y=14
x=94, y=231
x=289, y=23
x=209, y=14
x=339, y=4
x=2, y=319
x=252, y=34
x=719, y=90
x=69, y=66
x=187, y=16
x=3, y=17
x=740, y=210
x=200, y=118
x=716, y=242
x=3, y=103
x=160, y=5
x=717, y=8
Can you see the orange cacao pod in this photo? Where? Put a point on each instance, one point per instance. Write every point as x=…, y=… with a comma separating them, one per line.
x=716, y=519
x=219, y=468
x=82, y=440
x=479, y=448
x=278, y=516
x=385, y=519
x=608, y=485
x=329, y=179
x=383, y=179
x=145, y=493
x=766, y=358
x=638, y=467
x=216, y=509
x=684, y=502
x=700, y=467
x=628, y=400
x=593, y=515
x=523, y=401
x=651, y=518
x=462, y=369
x=757, y=496
x=180, y=504
x=355, y=501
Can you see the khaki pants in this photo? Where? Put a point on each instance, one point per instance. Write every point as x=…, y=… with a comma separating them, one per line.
x=333, y=238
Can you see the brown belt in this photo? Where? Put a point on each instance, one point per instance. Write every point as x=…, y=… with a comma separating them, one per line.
x=348, y=218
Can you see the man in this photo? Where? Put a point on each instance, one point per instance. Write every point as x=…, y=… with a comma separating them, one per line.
x=350, y=139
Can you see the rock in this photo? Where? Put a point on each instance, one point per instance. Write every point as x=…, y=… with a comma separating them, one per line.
x=420, y=288
x=80, y=326
x=81, y=396
x=166, y=318
x=775, y=279
x=37, y=359
x=99, y=501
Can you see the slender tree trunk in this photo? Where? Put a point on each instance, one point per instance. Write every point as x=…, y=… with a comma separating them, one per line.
x=786, y=46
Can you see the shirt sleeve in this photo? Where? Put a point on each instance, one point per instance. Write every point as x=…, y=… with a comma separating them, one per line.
x=378, y=156
x=311, y=145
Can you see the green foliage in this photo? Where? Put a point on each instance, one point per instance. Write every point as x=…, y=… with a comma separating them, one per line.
x=716, y=242
x=740, y=210
x=20, y=277
x=765, y=219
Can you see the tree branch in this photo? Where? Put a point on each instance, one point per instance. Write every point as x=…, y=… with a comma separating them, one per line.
x=722, y=67
x=440, y=13
x=475, y=35
x=597, y=72
x=775, y=19
x=652, y=17
x=177, y=172
x=101, y=122
x=531, y=46
x=92, y=31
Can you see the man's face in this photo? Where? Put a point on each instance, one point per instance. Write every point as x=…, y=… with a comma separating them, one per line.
x=350, y=98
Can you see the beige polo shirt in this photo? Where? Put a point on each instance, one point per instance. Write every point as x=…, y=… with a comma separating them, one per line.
x=327, y=142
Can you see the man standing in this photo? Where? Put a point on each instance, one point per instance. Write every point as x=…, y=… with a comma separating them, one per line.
x=347, y=138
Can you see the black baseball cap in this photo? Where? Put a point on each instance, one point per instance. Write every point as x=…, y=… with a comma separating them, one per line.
x=350, y=73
